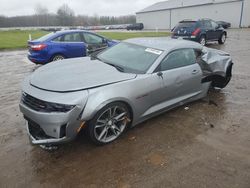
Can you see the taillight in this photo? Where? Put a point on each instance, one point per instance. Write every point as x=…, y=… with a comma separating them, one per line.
x=38, y=47
x=196, y=31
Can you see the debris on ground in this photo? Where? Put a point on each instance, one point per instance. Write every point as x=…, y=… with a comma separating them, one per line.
x=211, y=102
x=132, y=138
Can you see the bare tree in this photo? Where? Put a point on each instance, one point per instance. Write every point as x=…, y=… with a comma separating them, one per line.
x=41, y=10
x=65, y=15
x=41, y=15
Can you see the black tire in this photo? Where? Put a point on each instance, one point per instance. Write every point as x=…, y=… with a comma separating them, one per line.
x=57, y=57
x=221, y=82
x=95, y=131
x=203, y=40
x=222, y=38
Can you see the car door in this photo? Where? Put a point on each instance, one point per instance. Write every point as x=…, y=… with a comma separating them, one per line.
x=180, y=77
x=94, y=42
x=74, y=44
x=217, y=30
x=71, y=45
x=210, y=31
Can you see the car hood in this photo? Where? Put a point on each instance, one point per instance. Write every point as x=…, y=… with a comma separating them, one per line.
x=76, y=74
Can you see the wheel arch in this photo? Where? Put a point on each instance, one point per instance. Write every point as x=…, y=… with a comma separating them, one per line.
x=217, y=79
x=92, y=107
x=57, y=53
x=203, y=34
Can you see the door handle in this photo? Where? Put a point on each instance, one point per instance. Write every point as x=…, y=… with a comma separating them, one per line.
x=160, y=74
x=195, y=71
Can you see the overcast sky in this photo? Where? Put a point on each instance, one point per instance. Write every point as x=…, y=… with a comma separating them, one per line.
x=84, y=7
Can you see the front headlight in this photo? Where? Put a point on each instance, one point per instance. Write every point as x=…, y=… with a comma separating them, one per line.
x=55, y=107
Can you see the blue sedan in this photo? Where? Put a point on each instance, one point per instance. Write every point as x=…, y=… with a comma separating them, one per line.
x=66, y=44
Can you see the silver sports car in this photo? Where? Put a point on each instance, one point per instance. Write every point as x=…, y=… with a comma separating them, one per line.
x=118, y=88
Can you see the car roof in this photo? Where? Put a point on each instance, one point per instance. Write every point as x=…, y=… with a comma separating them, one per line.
x=62, y=32
x=71, y=31
x=192, y=20
x=164, y=43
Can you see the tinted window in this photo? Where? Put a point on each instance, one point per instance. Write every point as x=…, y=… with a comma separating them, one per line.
x=131, y=57
x=186, y=24
x=178, y=58
x=92, y=39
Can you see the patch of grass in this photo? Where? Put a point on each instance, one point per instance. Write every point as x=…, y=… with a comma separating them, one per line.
x=18, y=39
x=126, y=35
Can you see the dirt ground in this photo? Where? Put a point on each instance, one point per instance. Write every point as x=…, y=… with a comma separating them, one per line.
x=206, y=145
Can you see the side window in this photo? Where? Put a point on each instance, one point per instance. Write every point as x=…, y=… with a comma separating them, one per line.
x=207, y=24
x=92, y=39
x=203, y=25
x=214, y=25
x=72, y=37
x=58, y=39
x=178, y=58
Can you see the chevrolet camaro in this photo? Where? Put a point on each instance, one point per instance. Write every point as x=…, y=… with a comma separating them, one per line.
x=120, y=87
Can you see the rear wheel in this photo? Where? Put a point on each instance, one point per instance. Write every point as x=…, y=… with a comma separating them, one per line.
x=220, y=81
x=222, y=38
x=58, y=57
x=109, y=123
x=203, y=40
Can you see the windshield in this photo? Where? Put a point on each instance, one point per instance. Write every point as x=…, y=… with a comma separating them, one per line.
x=130, y=57
x=45, y=37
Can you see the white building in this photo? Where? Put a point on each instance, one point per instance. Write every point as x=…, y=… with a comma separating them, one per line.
x=166, y=14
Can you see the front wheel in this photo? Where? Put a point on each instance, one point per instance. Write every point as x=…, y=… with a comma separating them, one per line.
x=222, y=39
x=109, y=123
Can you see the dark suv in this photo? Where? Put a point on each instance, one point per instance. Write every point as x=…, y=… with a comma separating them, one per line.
x=135, y=26
x=201, y=31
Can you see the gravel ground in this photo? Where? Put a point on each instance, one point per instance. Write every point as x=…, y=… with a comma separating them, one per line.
x=206, y=145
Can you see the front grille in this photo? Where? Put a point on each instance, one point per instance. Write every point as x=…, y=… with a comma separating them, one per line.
x=34, y=103
x=43, y=106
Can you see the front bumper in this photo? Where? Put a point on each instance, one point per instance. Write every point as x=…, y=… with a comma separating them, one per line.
x=51, y=128
x=47, y=141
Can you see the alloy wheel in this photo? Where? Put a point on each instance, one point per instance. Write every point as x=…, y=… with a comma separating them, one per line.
x=57, y=58
x=203, y=41
x=223, y=38
x=110, y=124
